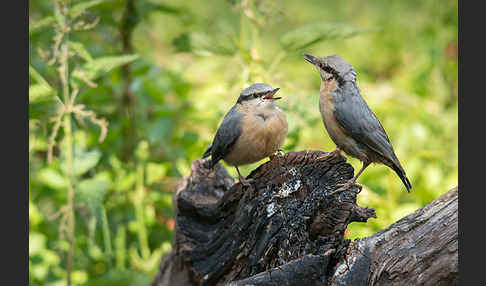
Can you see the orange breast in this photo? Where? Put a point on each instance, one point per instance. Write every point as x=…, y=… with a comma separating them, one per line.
x=335, y=131
x=259, y=138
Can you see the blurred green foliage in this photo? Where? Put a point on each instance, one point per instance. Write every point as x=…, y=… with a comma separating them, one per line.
x=165, y=90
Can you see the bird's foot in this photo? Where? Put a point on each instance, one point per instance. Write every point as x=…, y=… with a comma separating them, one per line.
x=243, y=181
x=346, y=186
x=278, y=154
x=246, y=182
x=335, y=152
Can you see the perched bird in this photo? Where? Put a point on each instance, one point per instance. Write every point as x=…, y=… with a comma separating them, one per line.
x=351, y=124
x=253, y=129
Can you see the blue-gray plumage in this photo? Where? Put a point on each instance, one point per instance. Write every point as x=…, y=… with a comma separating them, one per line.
x=351, y=124
x=254, y=128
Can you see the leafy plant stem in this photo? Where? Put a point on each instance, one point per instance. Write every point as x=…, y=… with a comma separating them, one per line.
x=70, y=204
x=139, y=212
x=106, y=235
x=68, y=146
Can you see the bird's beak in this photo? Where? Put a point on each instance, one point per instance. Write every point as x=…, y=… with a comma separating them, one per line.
x=311, y=59
x=271, y=94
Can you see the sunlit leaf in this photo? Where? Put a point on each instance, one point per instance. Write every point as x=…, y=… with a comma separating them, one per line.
x=142, y=151
x=155, y=172
x=310, y=34
x=126, y=182
x=41, y=90
x=83, y=161
x=204, y=44
x=79, y=8
x=41, y=24
x=52, y=178
x=60, y=19
x=79, y=277
x=98, y=67
x=35, y=216
x=93, y=191
x=159, y=130
x=80, y=50
x=37, y=242
x=43, y=100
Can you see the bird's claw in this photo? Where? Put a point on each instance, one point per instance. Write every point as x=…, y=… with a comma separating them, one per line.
x=246, y=182
x=279, y=153
x=330, y=154
x=346, y=186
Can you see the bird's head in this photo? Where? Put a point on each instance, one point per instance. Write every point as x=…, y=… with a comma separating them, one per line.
x=258, y=94
x=333, y=68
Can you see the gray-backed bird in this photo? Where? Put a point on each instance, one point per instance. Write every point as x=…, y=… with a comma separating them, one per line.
x=351, y=124
x=254, y=128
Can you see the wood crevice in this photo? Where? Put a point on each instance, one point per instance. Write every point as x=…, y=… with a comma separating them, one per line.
x=285, y=229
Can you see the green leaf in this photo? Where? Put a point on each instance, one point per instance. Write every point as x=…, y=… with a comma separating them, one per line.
x=142, y=151
x=310, y=34
x=155, y=172
x=37, y=26
x=160, y=130
x=83, y=160
x=37, y=242
x=60, y=18
x=92, y=191
x=97, y=67
x=204, y=44
x=41, y=90
x=79, y=8
x=80, y=50
x=160, y=7
x=52, y=178
x=182, y=43
x=43, y=100
x=44, y=109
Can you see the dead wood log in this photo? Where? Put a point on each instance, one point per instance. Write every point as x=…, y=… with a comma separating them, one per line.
x=287, y=228
x=420, y=249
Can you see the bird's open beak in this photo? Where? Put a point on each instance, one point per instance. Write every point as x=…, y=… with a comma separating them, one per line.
x=271, y=94
x=310, y=58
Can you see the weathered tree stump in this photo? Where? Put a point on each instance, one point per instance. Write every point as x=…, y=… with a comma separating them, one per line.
x=287, y=228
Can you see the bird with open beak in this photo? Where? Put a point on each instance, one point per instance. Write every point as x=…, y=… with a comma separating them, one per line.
x=349, y=121
x=254, y=128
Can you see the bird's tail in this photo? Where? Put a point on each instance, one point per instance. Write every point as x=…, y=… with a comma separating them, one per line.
x=207, y=153
x=401, y=173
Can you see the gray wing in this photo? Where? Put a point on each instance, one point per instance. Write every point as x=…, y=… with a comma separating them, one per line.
x=226, y=136
x=357, y=119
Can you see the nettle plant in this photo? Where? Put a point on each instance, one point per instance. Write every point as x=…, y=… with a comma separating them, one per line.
x=77, y=71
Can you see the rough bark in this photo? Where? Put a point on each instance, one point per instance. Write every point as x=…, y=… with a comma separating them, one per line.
x=420, y=249
x=287, y=228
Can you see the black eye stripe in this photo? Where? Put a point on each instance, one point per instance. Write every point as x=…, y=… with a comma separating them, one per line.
x=254, y=95
x=330, y=70
x=259, y=94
